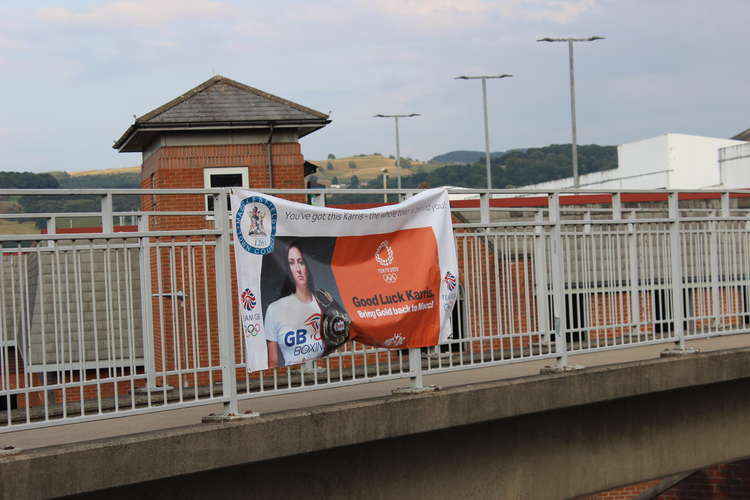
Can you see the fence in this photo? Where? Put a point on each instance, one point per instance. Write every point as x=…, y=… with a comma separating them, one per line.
x=143, y=317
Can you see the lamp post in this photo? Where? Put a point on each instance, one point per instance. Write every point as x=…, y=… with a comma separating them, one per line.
x=484, y=79
x=574, y=144
x=398, y=150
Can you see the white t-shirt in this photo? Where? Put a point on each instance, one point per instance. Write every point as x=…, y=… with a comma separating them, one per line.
x=295, y=326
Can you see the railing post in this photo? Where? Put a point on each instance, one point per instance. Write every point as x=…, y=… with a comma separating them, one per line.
x=616, y=206
x=51, y=224
x=540, y=273
x=415, y=369
x=484, y=208
x=224, y=305
x=725, y=206
x=587, y=219
x=147, y=319
x=635, y=291
x=714, y=239
x=713, y=255
x=107, y=223
x=416, y=384
x=309, y=366
x=558, y=283
x=319, y=200
x=675, y=254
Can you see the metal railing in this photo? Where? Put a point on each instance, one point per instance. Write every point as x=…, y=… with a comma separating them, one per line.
x=144, y=318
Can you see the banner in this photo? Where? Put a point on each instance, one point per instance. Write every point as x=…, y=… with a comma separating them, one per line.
x=310, y=278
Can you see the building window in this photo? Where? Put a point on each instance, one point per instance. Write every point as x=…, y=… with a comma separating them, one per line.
x=223, y=177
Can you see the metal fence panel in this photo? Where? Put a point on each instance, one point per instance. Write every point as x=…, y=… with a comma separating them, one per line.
x=110, y=324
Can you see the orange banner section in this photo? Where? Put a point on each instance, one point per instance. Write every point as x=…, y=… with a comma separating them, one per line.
x=393, y=298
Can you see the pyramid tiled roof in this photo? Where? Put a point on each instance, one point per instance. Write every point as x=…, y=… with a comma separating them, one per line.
x=742, y=136
x=220, y=103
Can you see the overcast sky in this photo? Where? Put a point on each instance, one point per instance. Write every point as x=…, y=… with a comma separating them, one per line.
x=75, y=72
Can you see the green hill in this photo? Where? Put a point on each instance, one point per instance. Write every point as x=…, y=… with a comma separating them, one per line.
x=521, y=167
x=463, y=156
x=515, y=168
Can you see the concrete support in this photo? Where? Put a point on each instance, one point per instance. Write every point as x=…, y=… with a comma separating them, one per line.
x=554, y=436
x=524, y=457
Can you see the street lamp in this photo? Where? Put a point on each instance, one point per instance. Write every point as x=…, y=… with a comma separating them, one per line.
x=398, y=150
x=484, y=79
x=572, y=96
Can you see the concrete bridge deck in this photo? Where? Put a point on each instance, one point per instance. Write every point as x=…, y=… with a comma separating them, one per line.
x=501, y=432
x=73, y=433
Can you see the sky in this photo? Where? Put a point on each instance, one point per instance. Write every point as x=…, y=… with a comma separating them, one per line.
x=75, y=72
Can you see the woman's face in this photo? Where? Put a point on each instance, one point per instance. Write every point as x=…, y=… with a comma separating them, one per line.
x=297, y=267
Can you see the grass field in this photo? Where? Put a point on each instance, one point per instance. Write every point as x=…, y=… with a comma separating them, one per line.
x=107, y=171
x=9, y=206
x=368, y=168
x=15, y=227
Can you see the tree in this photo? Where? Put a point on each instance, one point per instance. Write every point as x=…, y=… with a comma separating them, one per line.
x=335, y=180
x=352, y=164
x=27, y=180
x=354, y=181
x=329, y=166
x=331, y=156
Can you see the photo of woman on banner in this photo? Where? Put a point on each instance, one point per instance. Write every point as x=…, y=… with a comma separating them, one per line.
x=304, y=323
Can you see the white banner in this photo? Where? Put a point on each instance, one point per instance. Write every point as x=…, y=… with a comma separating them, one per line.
x=310, y=278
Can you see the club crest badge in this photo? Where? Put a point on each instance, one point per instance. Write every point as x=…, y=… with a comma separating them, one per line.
x=255, y=225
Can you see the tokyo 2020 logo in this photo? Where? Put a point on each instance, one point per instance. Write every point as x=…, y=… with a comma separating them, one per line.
x=384, y=256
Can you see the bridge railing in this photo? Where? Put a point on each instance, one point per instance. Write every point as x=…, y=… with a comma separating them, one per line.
x=139, y=313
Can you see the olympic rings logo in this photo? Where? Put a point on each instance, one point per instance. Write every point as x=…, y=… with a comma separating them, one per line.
x=390, y=277
x=252, y=329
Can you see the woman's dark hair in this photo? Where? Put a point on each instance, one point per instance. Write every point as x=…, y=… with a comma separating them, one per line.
x=289, y=287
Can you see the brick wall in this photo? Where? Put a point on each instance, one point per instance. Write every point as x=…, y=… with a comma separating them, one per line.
x=185, y=332
x=625, y=493
x=719, y=482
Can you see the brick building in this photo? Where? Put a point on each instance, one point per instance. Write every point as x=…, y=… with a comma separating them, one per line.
x=221, y=133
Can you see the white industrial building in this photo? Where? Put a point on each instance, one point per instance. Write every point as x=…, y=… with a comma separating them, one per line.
x=734, y=165
x=670, y=161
